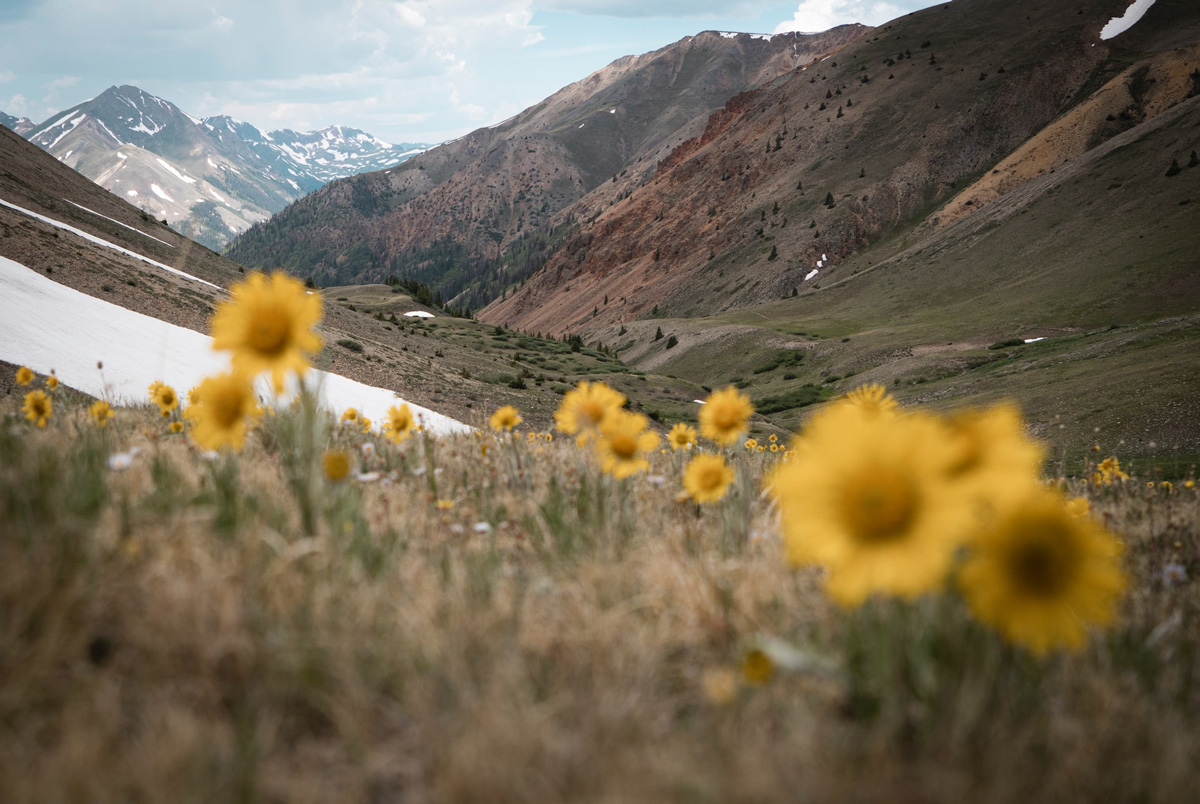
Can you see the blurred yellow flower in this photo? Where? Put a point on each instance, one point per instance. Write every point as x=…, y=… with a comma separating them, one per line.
x=1040, y=574
x=725, y=416
x=1108, y=472
x=706, y=478
x=164, y=396
x=224, y=405
x=400, y=424
x=682, y=436
x=757, y=667
x=267, y=324
x=994, y=460
x=505, y=418
x=52, y=382
x=365, y=424
x=37, y=407
x=772, y=438
x=1078, y=506
x=100, y=412
x=751, y=444
x=336, y=463
x=176, y=427
x=871, y=398
x=25, y=375
x=585, y=407
x=349, y=415
x=867, y=496
x=444, y=505
x=623, y=442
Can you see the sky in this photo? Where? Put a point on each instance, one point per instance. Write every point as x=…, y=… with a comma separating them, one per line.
x=421, y=71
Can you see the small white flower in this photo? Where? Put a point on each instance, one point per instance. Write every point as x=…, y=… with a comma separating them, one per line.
x=1173, y=573
x=209, y=455
x=368, y=449
x=483, y=527
x=368, y=477
x=656, y=480
x=120, y=460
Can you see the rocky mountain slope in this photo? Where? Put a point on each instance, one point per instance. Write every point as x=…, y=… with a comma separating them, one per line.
x=445, y=217
x=209, y=179
x=939, y=115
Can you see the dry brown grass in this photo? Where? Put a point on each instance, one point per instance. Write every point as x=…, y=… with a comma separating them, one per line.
x=172, y=632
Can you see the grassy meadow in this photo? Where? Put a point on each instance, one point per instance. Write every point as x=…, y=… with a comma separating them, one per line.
x=494, y=617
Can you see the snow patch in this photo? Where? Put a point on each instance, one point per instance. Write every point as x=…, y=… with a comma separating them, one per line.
x=419, y=314
x=117, y=222
x=175, y=172
x=67, y=131
x=158, y=191
x=811, y=274
x=137, y=349
x=101, y=242
x=1035, y=340
x=132, y=193
x=1119, y=25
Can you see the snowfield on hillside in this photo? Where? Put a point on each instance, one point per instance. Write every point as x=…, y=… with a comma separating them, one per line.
x=48, y=326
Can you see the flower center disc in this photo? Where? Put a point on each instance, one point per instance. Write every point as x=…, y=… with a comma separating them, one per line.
x=268, y=332
x=879, y=507
x=1042, y=563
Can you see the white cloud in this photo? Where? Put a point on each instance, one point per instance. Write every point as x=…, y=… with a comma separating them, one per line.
x=63, y=82
x=652, y=8
x=17, y=105
x=5, y=77
x=821, y=15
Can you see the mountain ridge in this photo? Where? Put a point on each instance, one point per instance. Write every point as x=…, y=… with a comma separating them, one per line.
x=210, y=178
x=444, y=217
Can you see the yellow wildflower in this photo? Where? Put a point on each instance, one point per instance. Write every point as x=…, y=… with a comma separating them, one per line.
x=337, y=465
x=751, y=444
x=868, y=497
x=872, y=398
x=100, y=412
x=349, y=415
x=25, y=375
x=267, y=324
x=1039, y=574
x=757, y=667
x=164, y=396
x=52, y=382
x=37, y=407
x=224, y=405
x=176, y=427
x=623, y=442
x=682, y=436
x=584, y=408
x=725, y=416
x=400, y=424
x=505, y=418
x=707, y=478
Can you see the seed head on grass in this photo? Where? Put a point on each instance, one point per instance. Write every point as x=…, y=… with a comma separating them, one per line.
x=267, y=324
x=400, y=424
x=1040, y=574
x=725, y=416
x=224, y=405
x=682, y=436
x=505, y=419
x=707, y=478
x=100, y=412
x=868, y=497
x=38, y=407
x=25, y=375
x=624, y=442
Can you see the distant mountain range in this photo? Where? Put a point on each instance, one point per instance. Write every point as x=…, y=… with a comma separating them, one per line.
x=209, y=179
